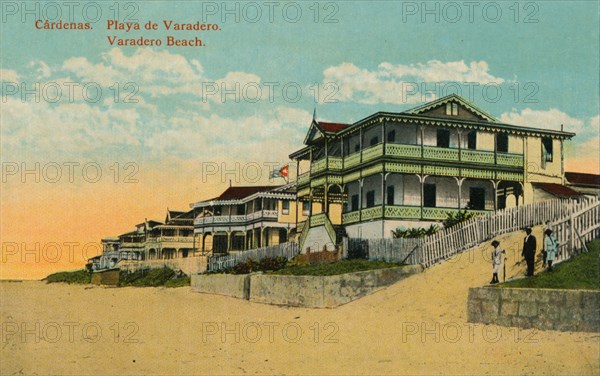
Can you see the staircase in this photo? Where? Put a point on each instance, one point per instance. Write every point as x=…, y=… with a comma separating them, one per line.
x=318, y=233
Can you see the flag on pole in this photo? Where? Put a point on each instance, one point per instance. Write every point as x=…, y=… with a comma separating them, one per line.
x=283, y=172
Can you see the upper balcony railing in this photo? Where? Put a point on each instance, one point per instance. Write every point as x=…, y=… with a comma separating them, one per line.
x=330, y=163
x=172, y=239
x=433, y=153
x=238, y=219
x=401, y=212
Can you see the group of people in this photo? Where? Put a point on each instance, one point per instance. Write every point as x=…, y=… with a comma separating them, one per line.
x=529, y=248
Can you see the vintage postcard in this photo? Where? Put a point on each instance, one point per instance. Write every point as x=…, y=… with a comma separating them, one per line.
x=300, y=187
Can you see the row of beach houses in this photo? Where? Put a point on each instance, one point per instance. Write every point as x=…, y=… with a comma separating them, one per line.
x=363, y=180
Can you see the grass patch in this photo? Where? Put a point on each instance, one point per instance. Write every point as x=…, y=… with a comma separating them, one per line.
x=179, y=282
x=153, y=278
x=339, y=267
x=82, y=276
x=580, y=272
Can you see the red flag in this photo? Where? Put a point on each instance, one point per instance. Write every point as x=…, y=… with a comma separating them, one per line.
x=284, y=170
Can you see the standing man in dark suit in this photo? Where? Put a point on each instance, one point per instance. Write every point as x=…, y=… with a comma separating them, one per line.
x=529, y=246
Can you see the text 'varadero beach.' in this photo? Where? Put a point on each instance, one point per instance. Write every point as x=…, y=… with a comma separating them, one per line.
x=168, y=25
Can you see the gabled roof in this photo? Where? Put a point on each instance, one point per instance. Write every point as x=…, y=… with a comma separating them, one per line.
x=331, y=127
x=321, y=128
x=557, y=190
x=150, y=224
x=240, y=195
x=579, y=178
x=178, y=216
x=233, y=193
x=451, y=98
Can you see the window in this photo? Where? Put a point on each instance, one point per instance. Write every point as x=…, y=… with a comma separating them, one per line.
x=357, y=147
x=429, y=196
x=305, y=207
x=374, y=141
x=452, y=109
x=390, y=195
x=547, y=149
x=391, y=136
x=502, y=142
x=443, y=138
x=354, y=203
x=285, y=207
x=472, y=140
x=370, y=199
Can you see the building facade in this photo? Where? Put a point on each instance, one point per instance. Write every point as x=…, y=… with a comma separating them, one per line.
x=151, y=240
x=412, y=168
x=248, y=217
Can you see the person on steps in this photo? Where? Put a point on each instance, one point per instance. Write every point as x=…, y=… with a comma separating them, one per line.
x=497, y=255
x=529, y=246
x=551, y=248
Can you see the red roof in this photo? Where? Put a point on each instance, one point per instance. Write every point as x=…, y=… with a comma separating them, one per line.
x=579, y=178
x=331, y=127
x=233, y=193
x=558, y=190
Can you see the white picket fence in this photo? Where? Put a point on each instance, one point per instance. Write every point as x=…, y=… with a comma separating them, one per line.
x=403, y=250
x=288, y=250
x=574, y=223
x=568, y=216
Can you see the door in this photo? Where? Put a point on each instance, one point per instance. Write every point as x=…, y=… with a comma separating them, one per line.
x=477, y=198
x=429, y=196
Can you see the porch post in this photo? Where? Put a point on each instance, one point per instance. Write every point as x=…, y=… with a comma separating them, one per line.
x=228, y=241
x=360, y=199
x=422, y=128
x=459, y=181
x=325, y=200
x=459, y=133
x=360, y=143
x=495, y=185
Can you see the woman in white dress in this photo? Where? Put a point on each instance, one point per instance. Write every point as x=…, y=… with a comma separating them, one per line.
x=497, y=255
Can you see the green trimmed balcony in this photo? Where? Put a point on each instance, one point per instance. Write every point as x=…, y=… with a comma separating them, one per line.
x=400, y=212
x=303, y=179
x=328, y=163
x=434, y=153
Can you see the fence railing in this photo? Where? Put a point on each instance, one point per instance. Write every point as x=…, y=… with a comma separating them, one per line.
x=288, y=250
x=574, y=223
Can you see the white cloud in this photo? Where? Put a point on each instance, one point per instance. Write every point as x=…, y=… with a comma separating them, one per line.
x=546, y=119
x=9, y=75
x=42, y=70
x=78, y=128
x=157, y=73
x=193, y=136
x=390, y=83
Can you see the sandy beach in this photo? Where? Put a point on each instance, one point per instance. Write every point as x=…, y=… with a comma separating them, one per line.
x=417, y=326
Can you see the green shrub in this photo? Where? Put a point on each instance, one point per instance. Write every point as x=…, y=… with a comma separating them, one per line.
x=416, y=232
x=339, y=267
x=179, y=282
x=78, y=276
x=147, y=277
x=452, y=218
x=264, y=265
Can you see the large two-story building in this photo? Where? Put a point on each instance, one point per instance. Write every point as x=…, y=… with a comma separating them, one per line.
x=246, y=217
x=412, y=168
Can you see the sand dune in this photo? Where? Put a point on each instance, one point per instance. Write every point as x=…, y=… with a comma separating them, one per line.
x=417, y=326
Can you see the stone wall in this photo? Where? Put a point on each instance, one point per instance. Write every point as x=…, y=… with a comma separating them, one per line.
x=324, y=291
x=546, y=309
x=302, y=291
x=237, y=286
x=106, y=277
